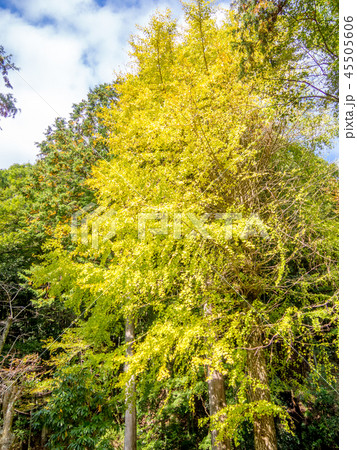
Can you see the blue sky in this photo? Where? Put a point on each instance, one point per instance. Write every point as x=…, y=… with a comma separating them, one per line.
x=64, y=47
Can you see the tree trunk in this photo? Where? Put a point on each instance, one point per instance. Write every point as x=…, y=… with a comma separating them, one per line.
x=217, y=401
x=44, y=433
x=216, y=396
x=130, y=412
x=5, y=332
x=264, y=427
x=9, y=399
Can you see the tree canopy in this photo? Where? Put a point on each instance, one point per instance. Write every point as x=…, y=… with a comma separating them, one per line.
x=187, y=231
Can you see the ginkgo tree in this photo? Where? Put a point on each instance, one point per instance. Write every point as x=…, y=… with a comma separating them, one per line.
x=225, y=235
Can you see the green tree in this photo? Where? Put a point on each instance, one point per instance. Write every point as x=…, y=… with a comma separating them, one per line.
x=58, y=186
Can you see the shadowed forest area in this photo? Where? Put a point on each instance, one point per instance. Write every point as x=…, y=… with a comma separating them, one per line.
x=169, y=265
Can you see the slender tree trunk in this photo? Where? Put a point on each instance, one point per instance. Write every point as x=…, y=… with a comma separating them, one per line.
x=202, y=37
x=217, y=401
x=9, y=399
x=44, y=433
x=5, y=332
x=130, y=412
x=30, y=431
x=264, y=427
x=216, y=397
